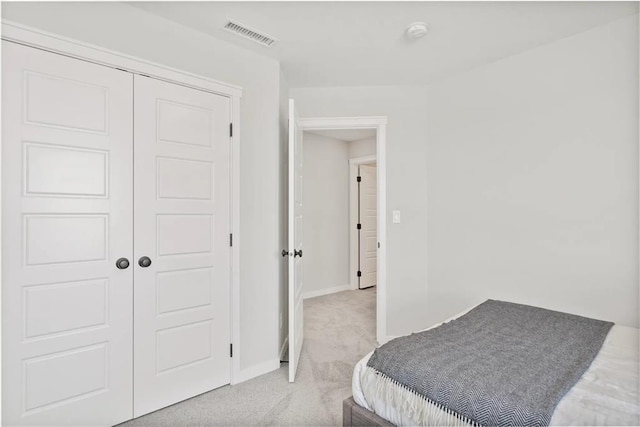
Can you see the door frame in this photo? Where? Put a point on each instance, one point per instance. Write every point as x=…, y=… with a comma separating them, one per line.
x=379, y=124
x=33, y=37
x=353, y=216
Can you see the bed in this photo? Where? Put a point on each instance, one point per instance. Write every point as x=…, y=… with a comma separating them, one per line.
x=606, y=394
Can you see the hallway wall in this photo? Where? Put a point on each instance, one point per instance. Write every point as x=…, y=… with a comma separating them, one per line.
x=325, y=209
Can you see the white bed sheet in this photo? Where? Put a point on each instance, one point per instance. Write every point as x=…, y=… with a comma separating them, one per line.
x=607, y=394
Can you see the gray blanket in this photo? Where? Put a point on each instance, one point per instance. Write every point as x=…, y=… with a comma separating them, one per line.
x=500, y=364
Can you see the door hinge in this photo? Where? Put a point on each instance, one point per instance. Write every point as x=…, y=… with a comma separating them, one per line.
x=359, y=179
x=359, y=273
x=230, y=350
x=230, y=129
x=231, y=239
x=359, y=226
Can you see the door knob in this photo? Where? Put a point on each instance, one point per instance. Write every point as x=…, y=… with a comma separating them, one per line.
x=122, y=263
x=144, y=262
x=297, y=253
x=285, y=252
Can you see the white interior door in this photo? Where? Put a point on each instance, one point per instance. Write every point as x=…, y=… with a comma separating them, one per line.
x=66, y=219
x=369, y=229
x=182, y=225
x=296, y=317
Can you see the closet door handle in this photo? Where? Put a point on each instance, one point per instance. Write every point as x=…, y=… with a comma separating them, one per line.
x=297, y=253
x=122, y=263
x=144, y=262
x=285, y=252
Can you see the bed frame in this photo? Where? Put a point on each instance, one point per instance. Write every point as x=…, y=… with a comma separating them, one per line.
x=357, y=416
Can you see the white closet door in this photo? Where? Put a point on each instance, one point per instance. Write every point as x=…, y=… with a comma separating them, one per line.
x=66, y=218
x=369, y=230
x=182, y=224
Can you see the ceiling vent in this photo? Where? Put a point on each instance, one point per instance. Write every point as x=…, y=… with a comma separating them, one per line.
x=249, y=33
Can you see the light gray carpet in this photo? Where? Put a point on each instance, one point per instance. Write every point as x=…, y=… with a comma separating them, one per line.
x=339, y=331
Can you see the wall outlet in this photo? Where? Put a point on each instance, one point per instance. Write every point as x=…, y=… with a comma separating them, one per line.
x=396, y=217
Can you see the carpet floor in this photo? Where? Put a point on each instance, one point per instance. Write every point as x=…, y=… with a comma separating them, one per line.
x=339, y=330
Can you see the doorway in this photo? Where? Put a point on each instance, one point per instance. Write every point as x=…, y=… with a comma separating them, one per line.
x=377, y=128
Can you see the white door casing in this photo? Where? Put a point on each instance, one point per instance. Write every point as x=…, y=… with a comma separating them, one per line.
x=296, y=314
x=66, y=218
x=182, y=217
x=368, y=235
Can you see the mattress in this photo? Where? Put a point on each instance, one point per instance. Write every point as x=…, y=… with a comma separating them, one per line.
x=606, y=394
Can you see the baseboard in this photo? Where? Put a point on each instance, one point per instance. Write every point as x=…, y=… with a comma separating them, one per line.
x=326, y=291
x=257, y=370
x=386, y=339
x=284, y=348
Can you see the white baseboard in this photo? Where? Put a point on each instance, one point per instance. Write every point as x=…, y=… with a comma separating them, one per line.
x=326, y=291
x=257, y=370
x=386, y=339
x=284, y=348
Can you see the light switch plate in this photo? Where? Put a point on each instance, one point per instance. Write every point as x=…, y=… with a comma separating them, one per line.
x=396, y=217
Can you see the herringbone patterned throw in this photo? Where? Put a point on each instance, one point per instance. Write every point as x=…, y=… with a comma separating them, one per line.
x=501, y=364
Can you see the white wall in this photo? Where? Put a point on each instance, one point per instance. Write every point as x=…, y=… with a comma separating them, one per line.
x=525, y=174
x=362, y=148
x=405, y=107
x=127, y=29
x=532, y=179
x=325, y=209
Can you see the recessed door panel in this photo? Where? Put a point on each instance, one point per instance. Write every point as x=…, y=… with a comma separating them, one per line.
x=184, y=123
x=181, y=346
x=182, y=200
x=57, y=170
x=86, y=104
x=184, y=289
x=67, y=138
x=54, y=239
x=65, y=377
x=65, y=307
x=184, y=179
x=184, y=234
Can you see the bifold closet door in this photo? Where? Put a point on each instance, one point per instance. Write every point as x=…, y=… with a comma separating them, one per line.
x=67, y=155
x=182, y=226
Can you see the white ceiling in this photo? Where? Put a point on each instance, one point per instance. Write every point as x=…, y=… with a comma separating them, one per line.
x=363, y=43
x=348, y=135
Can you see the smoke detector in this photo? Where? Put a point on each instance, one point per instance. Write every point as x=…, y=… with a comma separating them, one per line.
x=416, y=30
x=249, y=33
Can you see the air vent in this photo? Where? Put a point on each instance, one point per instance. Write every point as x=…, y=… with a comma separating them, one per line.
x=248, y=33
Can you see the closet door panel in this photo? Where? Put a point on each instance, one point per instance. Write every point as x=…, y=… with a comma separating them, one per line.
x=182, y=223
x=67, y=155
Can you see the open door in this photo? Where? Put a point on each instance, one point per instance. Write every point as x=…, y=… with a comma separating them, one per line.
x=296, y=324
x=368, y=226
